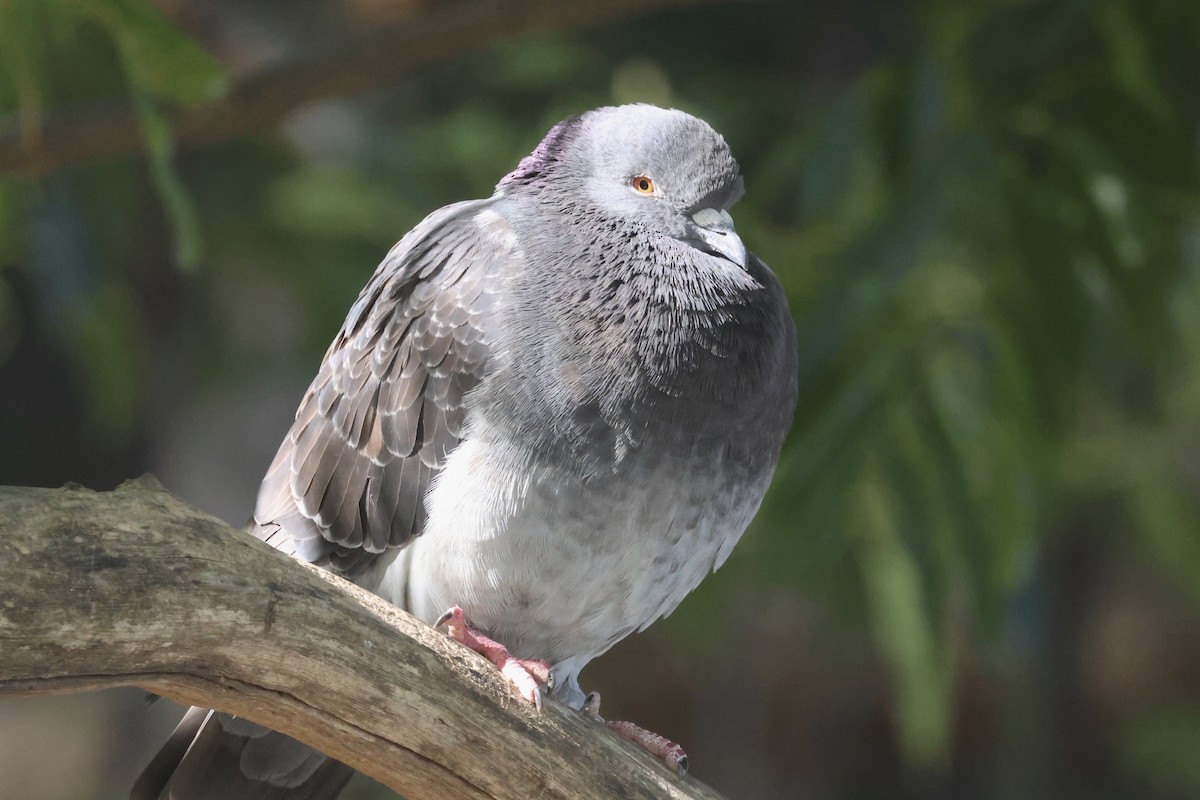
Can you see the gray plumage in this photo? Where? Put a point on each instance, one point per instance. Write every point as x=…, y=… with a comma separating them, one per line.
x=558, y=408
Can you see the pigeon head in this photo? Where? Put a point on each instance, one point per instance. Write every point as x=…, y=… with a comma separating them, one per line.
x=661, y=170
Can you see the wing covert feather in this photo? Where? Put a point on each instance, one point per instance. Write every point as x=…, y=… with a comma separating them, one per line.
x=387, y=406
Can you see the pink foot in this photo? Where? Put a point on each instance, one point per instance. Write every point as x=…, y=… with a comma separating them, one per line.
x=523, y=673
x=666, y=750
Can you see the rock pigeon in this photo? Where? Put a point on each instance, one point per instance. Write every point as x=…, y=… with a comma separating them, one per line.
x=548, y=415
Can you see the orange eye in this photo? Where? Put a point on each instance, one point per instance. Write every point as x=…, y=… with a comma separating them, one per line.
x=642, y=185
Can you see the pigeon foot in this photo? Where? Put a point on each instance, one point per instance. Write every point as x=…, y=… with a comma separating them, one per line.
x=664, y=749
x=524, y=674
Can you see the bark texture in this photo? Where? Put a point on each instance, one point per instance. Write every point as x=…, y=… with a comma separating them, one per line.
x=133, y=587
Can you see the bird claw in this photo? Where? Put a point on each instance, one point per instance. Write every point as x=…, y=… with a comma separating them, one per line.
x=523, y=674
x=453, y=621
x=664, y=749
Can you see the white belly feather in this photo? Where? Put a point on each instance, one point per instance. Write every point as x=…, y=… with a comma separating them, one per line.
x=559, y=567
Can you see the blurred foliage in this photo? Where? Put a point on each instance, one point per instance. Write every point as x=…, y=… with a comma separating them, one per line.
x=986, y=215
x=40, y=42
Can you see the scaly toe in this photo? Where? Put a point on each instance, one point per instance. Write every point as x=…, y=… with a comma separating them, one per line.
x=523, y=674
x=538, y=669
x=522, y=681
x=671, y=753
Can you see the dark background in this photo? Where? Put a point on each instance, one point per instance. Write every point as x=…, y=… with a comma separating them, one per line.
x=978, y=571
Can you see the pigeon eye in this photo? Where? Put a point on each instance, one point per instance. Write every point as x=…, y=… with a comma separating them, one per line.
x=642, y=185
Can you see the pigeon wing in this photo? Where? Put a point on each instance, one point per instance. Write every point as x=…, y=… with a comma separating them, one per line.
x=387, y=406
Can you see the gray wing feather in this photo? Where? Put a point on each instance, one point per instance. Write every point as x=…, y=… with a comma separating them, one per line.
x=387, y=406
x=253, y=764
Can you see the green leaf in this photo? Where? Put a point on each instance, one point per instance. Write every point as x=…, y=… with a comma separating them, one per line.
x=19, y=47
x=158, y=58
x=904, y=627
x=338, y=205
x=1162, y=747
x=105, y=345
x=185, y=223
x=540, y=62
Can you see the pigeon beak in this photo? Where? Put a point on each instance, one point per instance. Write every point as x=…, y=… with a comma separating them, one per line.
x=714, y=234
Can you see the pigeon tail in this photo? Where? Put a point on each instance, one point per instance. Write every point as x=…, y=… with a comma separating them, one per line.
x=204, y=761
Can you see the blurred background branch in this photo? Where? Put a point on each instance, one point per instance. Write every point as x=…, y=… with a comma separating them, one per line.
x=411, y=35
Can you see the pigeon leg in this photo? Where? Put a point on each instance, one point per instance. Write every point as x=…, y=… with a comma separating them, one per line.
x=523, y=673
x=661, y=747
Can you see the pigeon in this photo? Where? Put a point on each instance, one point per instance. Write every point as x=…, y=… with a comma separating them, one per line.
x=547, y=417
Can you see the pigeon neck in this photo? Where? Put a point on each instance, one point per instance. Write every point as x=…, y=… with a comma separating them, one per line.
x=538, y=165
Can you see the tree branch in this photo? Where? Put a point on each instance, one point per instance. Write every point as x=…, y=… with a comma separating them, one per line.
x=440, y=32
x=133, y=587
